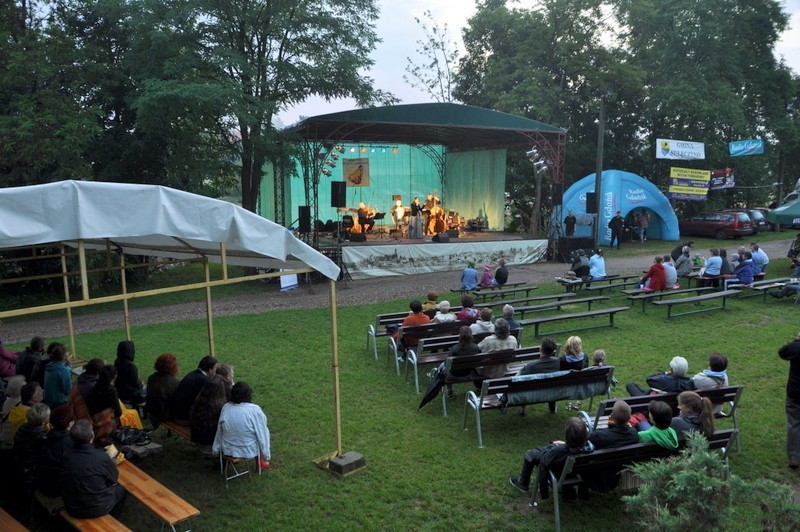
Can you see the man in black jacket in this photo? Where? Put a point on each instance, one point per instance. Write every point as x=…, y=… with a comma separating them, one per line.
x=616, y=224
x=791, y=352
x=28, y=358
x=89, y=486
x=667, y=381
x=189, y=387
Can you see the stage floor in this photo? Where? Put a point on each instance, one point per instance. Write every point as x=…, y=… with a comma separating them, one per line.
x=375, y=239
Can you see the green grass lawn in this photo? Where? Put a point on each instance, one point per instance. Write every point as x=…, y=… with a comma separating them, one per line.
x=701, y=244
x=424, y=472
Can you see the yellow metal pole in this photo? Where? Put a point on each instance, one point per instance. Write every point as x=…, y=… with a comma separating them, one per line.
x=65, y=280
x=223, y=255
x=84, y=276
x=124, y=283
x=335, y=356
x=209, y=310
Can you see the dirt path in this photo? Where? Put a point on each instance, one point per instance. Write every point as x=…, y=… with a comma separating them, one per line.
x=355, y=292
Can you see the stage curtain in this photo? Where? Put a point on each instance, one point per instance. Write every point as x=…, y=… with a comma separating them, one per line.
x=476, y=183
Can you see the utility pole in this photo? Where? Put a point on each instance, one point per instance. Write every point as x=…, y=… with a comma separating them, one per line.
x=598, y=176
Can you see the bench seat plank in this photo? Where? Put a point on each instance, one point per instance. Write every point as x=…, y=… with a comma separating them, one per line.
x=536, y=322
x=104, y=523
x=183, y=431
x=723, y=295
x=161, y=500
x=9, y=524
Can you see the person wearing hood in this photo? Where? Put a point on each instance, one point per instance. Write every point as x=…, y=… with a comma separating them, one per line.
x=57, y=378
x=129, y=387
x=484, y=324
x=487, y=278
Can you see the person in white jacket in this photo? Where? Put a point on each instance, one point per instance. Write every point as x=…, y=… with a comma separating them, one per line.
x=242, y=431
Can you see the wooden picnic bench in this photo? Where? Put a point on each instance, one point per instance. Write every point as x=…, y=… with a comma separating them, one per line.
x=537, y=322
x=539, y=388
x=723, y=395
x=9, y=524
x=576, y=284
x=556, y=305
x=182, y=431
x=161, y=500
x=762, y=287
x=418, y=332
x=483, y=295
x=695, y=300
x=615, y=459
x=599, y=288
x=524, y=300
x=649, y=295
x=55, y=506
x=487, y=288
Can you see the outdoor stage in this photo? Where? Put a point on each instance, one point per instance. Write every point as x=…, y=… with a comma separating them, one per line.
x=383, y=256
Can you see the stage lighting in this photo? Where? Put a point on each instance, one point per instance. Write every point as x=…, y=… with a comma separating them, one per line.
x=335, y=156
x=352, y=150
x=363, y=150
x=540, y=165
x=330, y=163
x=326, y=171
x=533, y=153
x=338, y=148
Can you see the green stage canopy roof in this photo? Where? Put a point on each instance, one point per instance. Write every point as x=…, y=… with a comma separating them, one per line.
x=458, y=127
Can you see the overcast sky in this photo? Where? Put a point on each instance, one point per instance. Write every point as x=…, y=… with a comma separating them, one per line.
x=400, y=33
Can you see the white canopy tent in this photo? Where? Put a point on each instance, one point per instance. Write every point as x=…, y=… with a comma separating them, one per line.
x=153, y=221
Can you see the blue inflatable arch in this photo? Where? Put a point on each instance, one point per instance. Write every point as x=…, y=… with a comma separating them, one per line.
x=625, y=192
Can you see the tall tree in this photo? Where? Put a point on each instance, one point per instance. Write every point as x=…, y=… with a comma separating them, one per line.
x=439, y=53
x=228, y=66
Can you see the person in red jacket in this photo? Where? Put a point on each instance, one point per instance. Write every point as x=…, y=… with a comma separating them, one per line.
x=655, y=278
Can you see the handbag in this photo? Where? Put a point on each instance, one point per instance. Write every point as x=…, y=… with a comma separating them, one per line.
x=127, y=436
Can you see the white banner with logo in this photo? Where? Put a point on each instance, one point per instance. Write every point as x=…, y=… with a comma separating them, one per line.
x=384, y=261
x=680, y=150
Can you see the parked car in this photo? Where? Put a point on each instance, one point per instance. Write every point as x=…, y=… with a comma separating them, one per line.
x=719, y=224
x=756, y=216
x=764, y=211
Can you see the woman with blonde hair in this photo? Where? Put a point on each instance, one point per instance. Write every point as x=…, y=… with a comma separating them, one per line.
x=696, y=413
x=574, y=357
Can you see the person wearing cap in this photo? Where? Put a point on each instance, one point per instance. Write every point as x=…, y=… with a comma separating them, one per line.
x=487, y=278
x=675, y=380
x=616, y=224
x=443, y=315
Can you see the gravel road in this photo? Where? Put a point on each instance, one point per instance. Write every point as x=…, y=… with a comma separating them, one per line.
x=350, y=293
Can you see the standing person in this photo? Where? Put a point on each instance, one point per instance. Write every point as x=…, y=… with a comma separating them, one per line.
x=597, y=265
x=242, y=431
x=616, y=224
x=416, y=219
x=501, y=275
x=760, y=258
x=644, y=223
x=678, y=250
x=791, y=352
x=160, y=387
x=89, y=482
x=57, y=378
x=569, y=223
x=129, y=386
x=469, y=277
x=189, y=387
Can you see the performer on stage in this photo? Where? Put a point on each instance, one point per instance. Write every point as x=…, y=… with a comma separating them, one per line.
x=398, y=212
x=365, y=218
x=416, y=219
x=569, y=223
x=431, y=210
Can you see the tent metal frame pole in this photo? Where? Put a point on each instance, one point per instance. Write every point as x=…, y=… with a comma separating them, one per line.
x=335, y=365
x=126, y=315
x=65, y=281
x=209, y=309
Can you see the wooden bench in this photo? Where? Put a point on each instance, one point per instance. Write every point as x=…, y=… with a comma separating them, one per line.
x=724, y=395
x=487, y=288
x=615, y=459
x=483, y=295
x=646, y=296
x=9, y=524
x=104, y=523
x=183, y=431
x=162, y=501
x=537, y=322
x=418, y=332
x=556, y=305
x=524, y=300
x=576, y=284
x=761, y=287
x=534, y=389
x=695, y=300
x=599, y=288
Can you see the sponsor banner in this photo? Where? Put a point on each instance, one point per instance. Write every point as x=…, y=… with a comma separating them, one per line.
x=723, y=178
x=685, y=197
x=384, y=261
x=636, y=196
x=700, y=191
x=688, y=184
x=742, y=148
x=690, y=173
x=682, y=150
x=356, y=172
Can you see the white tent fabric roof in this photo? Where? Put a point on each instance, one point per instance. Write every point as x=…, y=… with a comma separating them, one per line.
x=150, y=220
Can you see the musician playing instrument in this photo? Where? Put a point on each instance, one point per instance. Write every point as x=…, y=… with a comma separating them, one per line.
x=365, y=217
x=431, y=210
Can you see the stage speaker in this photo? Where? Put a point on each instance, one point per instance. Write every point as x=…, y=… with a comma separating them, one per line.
x=558, y=193
x=358, y=237
x=304, y=215
x=568, y=244
x=591, y=203
x=441, y=238
x=452, y=233
x=396, y=197
x=338, y=194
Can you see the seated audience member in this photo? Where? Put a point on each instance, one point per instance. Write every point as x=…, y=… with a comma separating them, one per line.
x=83, y=386
x=37, y=375
x=431, y=303
x=468, y=311
x=160, y=387
x=794, y=249
x=786, y=291
x=675, y=380
x=499, y=341
x=736, y=259
x=597, y=265
x=8, y=362
x=13, y=395
x=469, y=277
x=574, y=357
x=508, y=315
x=670, y=273
x=698, y=260
x=546, y=363
x=465, y=346
x=744, y=271
x=51, y=461
x=655, y=278
x=89, y=482
x=416, y=317
x=660, y=431
x=104, y=406
x=484, y=323
x=242, y=431
x=714, y=376
x=760, y=258
x=579, y=269
x=187, y=390
x=204, y=414
x=696, y=413
x=225, y=372
x=680, y=249
x=684, y=264
x=487, y=278
x=551, y=458
x=501, y=275
x=129, y=386
x=443, y=315
x=599, y=358
x=57, y=378
x=27, y=359
x=726, y=268
x=28, y=447
x=713, y=268
x=30, y=394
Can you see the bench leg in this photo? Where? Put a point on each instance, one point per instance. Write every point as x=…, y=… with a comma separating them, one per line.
x=556, y=509
x=478, y=427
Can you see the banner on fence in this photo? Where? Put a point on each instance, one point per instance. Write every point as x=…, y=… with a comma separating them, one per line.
x=682, y=150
